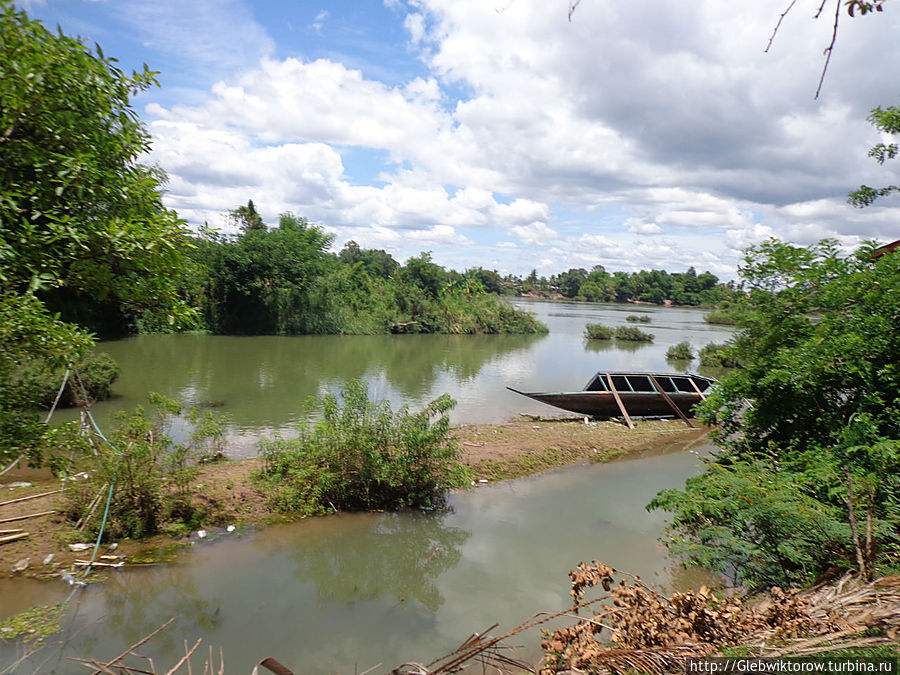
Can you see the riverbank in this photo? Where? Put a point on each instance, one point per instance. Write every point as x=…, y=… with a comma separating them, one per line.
x=227, y=493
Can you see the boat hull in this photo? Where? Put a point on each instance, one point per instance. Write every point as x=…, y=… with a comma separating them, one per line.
x=603, y=404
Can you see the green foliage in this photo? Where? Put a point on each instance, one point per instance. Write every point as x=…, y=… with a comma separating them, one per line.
x=717, y=356
x=151, y=474
x=77, y=211
x=754, y=524
x=809, y=469
x=283, y=281
x=656, y=286
x=81, y=221
x=362, y=455
x=637, y=318
x=90, y=380
x=680, y=352
x=632, y=334
x=597, y=331
x=724, y=317
x=887, y=121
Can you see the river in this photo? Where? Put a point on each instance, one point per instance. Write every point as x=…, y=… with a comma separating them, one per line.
x=261, y=383
x=346, y=593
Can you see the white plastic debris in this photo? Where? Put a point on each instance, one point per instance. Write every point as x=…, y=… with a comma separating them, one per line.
x=69, y=579
x=113, y=546
x=483, y=480
x=21, y=565
x=48, y=559
x=201, y=534
x=230, y=528
x=79, y=547
x=19, y=483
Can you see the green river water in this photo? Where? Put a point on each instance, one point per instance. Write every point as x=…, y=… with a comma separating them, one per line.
x=344, y=593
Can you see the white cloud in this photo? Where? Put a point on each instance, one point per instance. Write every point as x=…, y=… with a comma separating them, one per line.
x=649, y=136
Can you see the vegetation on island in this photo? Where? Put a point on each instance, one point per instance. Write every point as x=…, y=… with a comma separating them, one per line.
x=806, y=478
x=597, y=331
x=680, y=352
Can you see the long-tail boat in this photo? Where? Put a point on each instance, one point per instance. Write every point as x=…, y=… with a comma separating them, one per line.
x=631, y=394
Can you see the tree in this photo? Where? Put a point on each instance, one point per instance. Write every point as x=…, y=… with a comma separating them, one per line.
x=78, y=212
x=812, y=420
x=245, y=218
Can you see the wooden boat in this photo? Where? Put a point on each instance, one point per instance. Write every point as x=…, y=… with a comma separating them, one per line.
x=631, y=394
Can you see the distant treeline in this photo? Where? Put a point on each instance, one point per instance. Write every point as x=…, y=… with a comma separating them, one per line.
x=655, y=286
x=283, y=280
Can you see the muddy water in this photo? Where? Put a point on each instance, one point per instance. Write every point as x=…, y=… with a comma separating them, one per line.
x=345, y=593
x=261, y=383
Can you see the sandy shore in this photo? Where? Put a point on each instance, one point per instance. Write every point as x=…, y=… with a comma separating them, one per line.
x=520, y=447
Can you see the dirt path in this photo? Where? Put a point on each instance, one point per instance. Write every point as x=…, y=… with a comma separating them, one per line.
x=519, y=447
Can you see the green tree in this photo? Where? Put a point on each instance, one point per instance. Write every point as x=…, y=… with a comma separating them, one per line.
x=812, y=420
x=246, y=218
x=78, y=213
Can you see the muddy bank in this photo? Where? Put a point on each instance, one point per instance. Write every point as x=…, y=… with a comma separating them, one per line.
x=226, y=490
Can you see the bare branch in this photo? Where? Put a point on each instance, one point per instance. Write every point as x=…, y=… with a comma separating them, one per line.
x=778, y=25
x=572, y=5
x=830, y=49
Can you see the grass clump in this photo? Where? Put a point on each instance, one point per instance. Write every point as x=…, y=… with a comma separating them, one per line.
x=638, y=318
x=362, y=455
x=632, y=334
x=597, y=331
x=680, y=352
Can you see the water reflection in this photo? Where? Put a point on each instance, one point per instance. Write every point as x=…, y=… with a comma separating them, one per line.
x=392, y=556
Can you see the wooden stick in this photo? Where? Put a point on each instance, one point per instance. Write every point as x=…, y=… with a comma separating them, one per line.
x=187, y=655
x=615, y=394
x=13, y=537
x=11, y=531
x=696, y=388
x=670, y=401
x=30, y=515
x=25, y=499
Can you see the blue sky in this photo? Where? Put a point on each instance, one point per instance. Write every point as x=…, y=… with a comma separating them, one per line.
x=649, y=134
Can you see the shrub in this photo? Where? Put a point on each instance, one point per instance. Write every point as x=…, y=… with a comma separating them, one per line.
x=632, y=334
x=717, y=356
x=362, y=455
x=150, y=474
x=597, y=331
x=728, y=317
x=680, y=352
x=635, y=318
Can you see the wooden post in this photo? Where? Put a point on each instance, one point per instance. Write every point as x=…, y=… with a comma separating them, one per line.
x=670, y=401
x=615, y=394
x=696, y=388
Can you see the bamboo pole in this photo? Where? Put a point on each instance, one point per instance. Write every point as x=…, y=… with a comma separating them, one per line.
x=25, y=499
x=615, y=394
x=30, y=515
x=670, y=401
x=696, y=388
x=13, y=537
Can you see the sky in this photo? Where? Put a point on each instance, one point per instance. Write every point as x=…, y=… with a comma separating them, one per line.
x=649, y=134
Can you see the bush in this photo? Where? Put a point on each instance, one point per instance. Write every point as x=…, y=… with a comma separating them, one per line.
x=634, y=318
x=727, y=317
x=632, y=334
x=151, y=475
x=362, y=455
x=680, y=352
x=717, y=356
x=597, y=331
x=91, y=379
